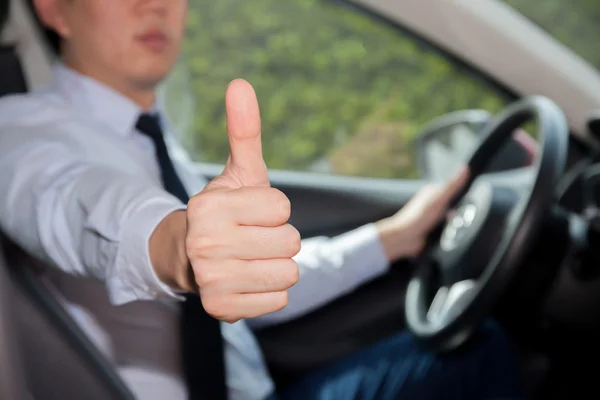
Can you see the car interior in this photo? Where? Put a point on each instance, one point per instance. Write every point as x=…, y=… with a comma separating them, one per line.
x=542, y=283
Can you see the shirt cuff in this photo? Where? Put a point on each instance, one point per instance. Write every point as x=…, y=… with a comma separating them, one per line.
x=363, y=252
x=135, y=277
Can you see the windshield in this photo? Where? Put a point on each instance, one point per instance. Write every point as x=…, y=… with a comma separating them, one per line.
x=575, y=23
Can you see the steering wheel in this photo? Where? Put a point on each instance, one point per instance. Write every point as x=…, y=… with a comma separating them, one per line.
x=467, y=268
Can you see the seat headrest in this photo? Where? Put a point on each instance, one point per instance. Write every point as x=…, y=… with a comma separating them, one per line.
x=12, y=79
x=23, y=45
x=4, y=9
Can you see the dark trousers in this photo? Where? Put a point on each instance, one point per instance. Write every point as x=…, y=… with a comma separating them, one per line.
x=484, y=369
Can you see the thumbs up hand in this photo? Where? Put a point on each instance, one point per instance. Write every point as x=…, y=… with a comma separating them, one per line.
x=238, y=242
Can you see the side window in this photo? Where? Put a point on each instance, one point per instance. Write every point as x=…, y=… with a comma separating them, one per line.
x=340, y=91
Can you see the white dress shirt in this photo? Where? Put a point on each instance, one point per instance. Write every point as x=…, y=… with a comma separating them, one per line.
x=81, y=190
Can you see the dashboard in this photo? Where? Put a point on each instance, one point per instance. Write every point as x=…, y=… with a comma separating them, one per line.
x=573, y=299
x=579, y=189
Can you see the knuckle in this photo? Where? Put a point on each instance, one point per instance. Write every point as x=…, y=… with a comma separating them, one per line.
x=281, y=203
x=203, y=278
x=216, y=307
x=280, y=300
x=189, y=244
x=291, y=273
x=203, y=203
x=212, y=306
x=205, y=275
x=196, y=205
x=212, y=275
x=293, y=240
x=202, y=246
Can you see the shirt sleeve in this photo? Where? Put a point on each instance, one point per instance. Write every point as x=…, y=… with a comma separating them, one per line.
x=330, y=268
x=86, y=219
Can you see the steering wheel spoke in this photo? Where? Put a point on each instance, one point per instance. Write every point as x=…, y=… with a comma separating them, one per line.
x=447, y=271
x=449, y=301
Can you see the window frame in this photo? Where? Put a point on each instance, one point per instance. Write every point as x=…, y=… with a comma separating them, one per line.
x=578, y=148
x=474, y=72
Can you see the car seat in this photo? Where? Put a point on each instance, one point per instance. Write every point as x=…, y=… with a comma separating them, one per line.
x=43, y=353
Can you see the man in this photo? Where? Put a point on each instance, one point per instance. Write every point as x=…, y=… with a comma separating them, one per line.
x=90, y=187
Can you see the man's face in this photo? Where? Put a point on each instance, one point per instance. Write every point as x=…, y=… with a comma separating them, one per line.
x=133, y=41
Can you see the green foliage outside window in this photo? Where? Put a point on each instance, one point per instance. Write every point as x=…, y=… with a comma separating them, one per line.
x=340, y=92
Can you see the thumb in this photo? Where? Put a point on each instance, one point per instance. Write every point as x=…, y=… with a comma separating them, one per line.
x=245, y=165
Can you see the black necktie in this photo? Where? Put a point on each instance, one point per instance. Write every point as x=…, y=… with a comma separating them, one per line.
x=202, y=343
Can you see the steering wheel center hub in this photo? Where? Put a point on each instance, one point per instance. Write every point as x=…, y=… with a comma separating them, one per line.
x=473, y=231
x=458, y=227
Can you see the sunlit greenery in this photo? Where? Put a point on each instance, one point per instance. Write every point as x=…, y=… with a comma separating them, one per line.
x=339, y=91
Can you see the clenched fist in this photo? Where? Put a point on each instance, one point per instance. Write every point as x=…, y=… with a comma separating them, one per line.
x=238, y=241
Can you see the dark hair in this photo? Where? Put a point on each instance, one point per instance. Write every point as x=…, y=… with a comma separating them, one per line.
x=4, y=11
x=53, y=39
x=50, y=35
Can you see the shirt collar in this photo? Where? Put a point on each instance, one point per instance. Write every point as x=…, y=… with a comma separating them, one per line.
x=98, y=100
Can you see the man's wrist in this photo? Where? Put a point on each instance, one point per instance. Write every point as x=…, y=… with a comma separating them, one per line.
x=397, y=239
x=168, y=255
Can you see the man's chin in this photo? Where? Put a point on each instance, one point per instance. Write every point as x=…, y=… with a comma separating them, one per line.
x=149, y=80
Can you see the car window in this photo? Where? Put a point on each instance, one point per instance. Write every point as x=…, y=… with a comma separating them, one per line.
x=575, y=23
x=340, y=91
